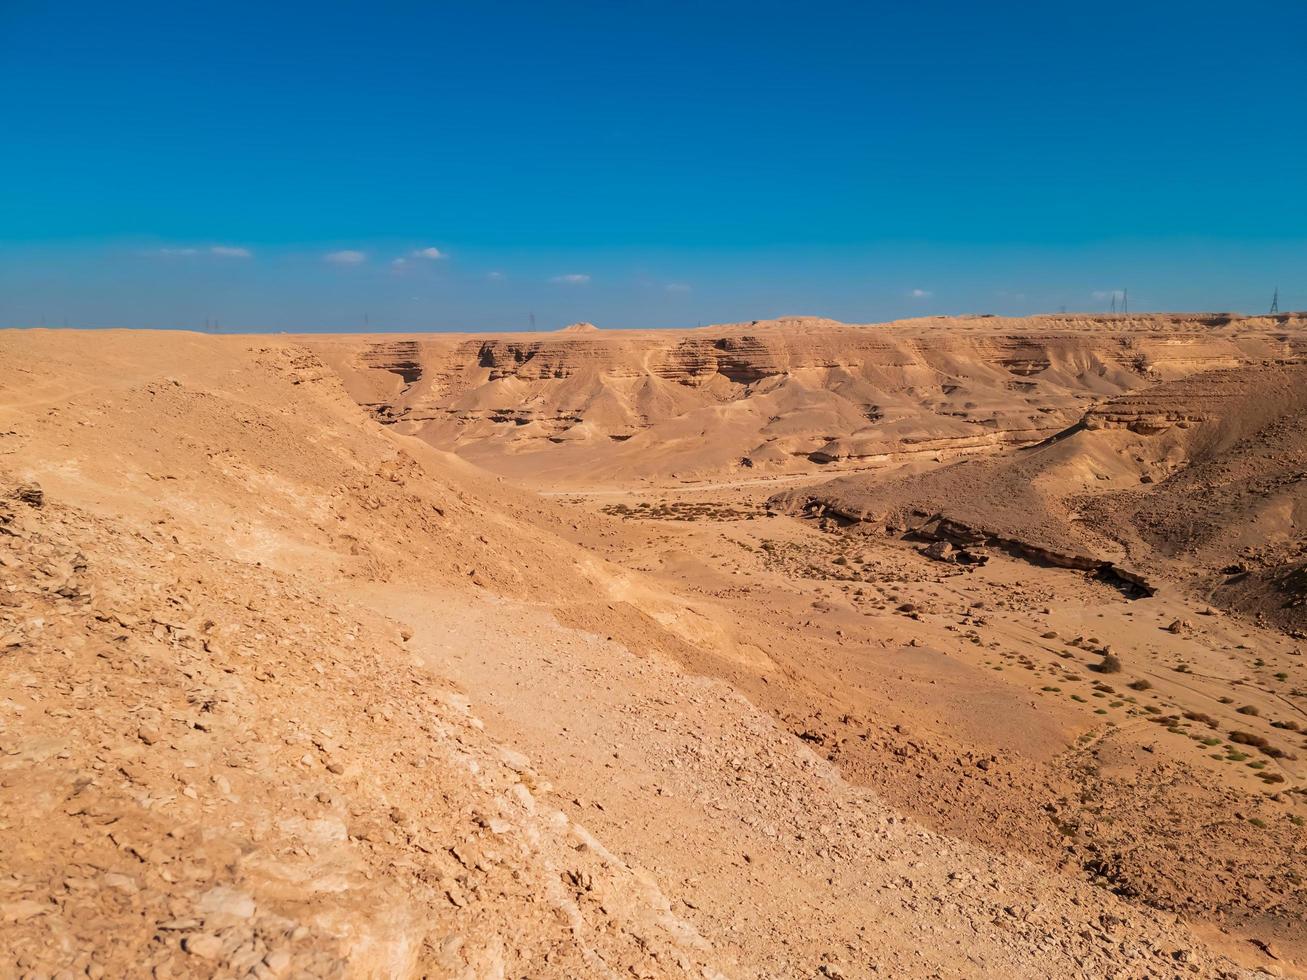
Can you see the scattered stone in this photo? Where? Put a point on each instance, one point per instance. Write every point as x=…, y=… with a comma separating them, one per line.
x=30, y=494
x=203, y=944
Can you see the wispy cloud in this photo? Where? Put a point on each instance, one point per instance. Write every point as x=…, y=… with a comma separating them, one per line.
x=677, y=287
x=572, y=279
x=1106, y=294
x=920, y=294
x=346, y=256
x=224, y=251
x=496, y=276
x=429, y=253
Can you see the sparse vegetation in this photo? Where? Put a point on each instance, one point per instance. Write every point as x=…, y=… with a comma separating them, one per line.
x=1110, y=664
x=1249, y=738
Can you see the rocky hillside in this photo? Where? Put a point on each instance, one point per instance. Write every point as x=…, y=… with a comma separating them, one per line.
x=229, y=745
x=1202, y=480
x=790, y=395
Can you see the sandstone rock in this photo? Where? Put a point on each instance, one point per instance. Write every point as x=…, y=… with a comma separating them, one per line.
x=30, y=494
x=223, y=904
x=940, y=551
x=204, y=945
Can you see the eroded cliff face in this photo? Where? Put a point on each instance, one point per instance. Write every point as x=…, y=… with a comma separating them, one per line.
x=784, y=395
x=1202, y=479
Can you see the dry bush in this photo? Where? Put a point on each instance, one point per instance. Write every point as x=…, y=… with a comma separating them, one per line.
x=1248, y=738
x=1110, y=664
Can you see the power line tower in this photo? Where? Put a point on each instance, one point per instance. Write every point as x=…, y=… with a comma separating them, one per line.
x=1114, y=302
x=533, y=321
x=1275, y=301
x=1125, y=301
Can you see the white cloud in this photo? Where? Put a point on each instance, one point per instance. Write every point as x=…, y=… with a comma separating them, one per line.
x=920, y=294
x=346, y=256
x=496, y=276
x=429, y=253
x=225, y=251
x=677, y=287
x=398, y=263
x=572, y=279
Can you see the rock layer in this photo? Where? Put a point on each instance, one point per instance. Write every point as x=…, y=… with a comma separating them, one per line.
x=790, y=395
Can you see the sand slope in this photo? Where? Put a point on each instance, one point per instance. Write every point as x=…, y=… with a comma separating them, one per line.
x=289, y=692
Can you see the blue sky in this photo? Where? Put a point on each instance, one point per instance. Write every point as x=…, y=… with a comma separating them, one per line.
x=292, y=165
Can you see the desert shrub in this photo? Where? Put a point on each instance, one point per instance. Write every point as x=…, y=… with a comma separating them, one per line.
x=1249, y=709
x=1207, y=720
x=1140, y=685
x=1110, y=664
x=1248, y=738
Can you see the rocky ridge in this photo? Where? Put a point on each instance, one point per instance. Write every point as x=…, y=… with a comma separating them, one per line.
x=787, y=395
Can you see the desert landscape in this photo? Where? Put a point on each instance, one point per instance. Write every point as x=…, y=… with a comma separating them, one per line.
x=942, y=647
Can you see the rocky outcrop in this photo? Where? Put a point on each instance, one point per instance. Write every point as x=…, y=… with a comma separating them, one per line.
x=958, y=534
x=800, y=392
x=401, y=357
x=959, y=538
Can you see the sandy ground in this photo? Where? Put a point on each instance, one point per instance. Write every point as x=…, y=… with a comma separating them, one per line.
x=293, y=693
